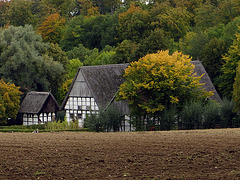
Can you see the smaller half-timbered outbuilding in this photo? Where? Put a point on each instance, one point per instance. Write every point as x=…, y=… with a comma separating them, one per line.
x=38, y=108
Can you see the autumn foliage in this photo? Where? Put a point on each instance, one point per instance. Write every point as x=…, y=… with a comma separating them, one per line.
x=9, y=101
x=52, y=27
x=160, y=80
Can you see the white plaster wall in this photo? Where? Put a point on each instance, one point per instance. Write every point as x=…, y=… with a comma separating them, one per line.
x=79, y=107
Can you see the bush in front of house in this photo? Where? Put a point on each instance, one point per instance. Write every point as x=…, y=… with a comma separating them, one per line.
x=192, y=115
x=168, y=119
x=108, y=120
x=228, y=118
x=62, y=125
x=211, y=113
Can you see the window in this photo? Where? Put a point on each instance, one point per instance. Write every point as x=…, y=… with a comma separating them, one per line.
x=80, y=108
x=88, y=108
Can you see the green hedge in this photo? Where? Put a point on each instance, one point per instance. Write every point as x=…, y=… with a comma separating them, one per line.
x=49, y=127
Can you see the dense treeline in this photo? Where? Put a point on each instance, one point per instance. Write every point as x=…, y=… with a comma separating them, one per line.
x=43, y=42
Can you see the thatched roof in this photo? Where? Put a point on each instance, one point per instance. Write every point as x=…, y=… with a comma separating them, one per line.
x=104, y=81
x=208, y=85
x=34, y=102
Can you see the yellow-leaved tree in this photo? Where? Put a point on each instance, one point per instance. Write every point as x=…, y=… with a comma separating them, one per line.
x=9, y=101
x=52, y=27
x=158, y=81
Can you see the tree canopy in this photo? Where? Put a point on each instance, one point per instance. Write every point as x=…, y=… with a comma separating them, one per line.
x=160, y=80
x=52, y=27
x=27, y=61
x=229, y=68
x=9, y=101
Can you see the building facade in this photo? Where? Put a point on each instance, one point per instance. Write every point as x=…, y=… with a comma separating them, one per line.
x=94, y=88
x=38, y=108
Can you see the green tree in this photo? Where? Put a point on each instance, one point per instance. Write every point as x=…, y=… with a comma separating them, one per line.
x=193, y=43
x=175, y=21
x=79, y=52
x=231, y=60
x=107, y=120
x=72, y=35
x=217, y=31
x=228, y=10
x=64, y=7
x=9, y=101
x=105, y=57
x=232, y=28
x=236, y=89
x=58, y=55
x=72, y=69
x=74, y=65
x=92, y=32
x=54, y=53
x=109, y=33
x=125, y=52
x=20, y=12
x=107, y=6
x=191, y=5
x=82, y=7
x=212, y=57
x=206, y=15
x=25, y=62
x=89, y=59
x=157, y=40
x=134, y=24
x=4, y=6
x=158, y=81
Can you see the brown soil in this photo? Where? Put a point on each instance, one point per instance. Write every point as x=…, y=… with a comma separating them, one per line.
x=201, y=154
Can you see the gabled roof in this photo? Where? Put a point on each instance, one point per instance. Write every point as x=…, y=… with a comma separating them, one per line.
x=208, y=85
x=104, y=81
x=34, y=102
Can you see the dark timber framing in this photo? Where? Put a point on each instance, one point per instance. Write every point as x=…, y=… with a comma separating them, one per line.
x=38, y=108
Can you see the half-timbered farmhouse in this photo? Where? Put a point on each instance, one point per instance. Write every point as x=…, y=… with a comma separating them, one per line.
x=38, y=108
x=95, y=87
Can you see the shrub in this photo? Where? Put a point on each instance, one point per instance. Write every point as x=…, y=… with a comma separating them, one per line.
x=211, y=114
x=192, y=115
x=108, y=120
x=168, y=118
x=93, y=123
x=228, y=117
x=64, y=125
x=138, y=122
x=61, y=116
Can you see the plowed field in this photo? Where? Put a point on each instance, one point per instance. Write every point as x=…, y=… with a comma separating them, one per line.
x=200, y=154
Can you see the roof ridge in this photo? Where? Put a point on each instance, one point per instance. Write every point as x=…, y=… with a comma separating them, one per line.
x=104, y=65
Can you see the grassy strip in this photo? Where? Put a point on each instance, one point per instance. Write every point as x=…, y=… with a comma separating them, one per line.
x=10, y=130
x=49, y=127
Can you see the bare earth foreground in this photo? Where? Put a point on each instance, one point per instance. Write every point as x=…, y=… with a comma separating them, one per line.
x=201, y=154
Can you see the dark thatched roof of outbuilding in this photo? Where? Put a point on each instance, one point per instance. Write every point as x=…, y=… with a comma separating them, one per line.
x=104, y=81
x=34, y=102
